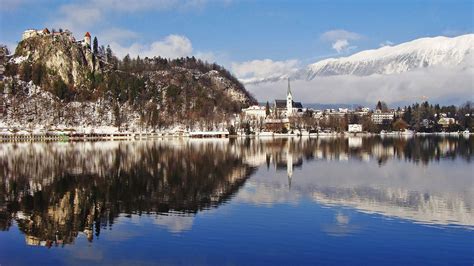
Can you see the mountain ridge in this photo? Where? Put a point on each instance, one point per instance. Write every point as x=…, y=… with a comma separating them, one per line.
x=439, y=51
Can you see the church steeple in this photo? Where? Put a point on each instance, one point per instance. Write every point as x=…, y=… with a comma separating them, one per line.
x=289, y=101
x=289, y=88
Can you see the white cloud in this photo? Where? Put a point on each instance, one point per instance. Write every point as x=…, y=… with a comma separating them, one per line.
x=334, y=35
x=340, y=39
x=77, y=18
x=172, y=46
x=175, y=223
x=386, y=43
x=93, y=14
x=148, y=5
x=436, y=84
x=340, y=45
x=262, y=69
x=206, y=56
x=117, y=35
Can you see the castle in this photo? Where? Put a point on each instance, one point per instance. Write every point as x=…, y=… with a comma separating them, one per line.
x=45, y=32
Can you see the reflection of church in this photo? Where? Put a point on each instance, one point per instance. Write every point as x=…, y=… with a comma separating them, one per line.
x=288, y=161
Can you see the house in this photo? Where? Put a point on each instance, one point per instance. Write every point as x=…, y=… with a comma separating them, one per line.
x=446, y=121
x=288, y=107
x=379, y=117
x=275, y=125
x=255, y=112
x=354, y=128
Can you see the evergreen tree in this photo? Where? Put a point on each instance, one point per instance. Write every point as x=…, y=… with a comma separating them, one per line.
x=95, y=45
x=267, y=109
x=126, y=62
x=108, y=54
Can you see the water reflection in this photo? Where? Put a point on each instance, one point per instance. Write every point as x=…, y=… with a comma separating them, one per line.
x=54, y=191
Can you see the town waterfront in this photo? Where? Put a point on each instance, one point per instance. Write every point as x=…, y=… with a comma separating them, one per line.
x=391, y=200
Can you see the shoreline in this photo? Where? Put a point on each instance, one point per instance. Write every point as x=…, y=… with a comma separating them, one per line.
x=64, y=137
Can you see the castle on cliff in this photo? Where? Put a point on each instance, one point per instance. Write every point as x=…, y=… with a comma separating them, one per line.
x=45, y=32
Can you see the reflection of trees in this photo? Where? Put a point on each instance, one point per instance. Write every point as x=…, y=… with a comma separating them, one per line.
x=54, y=191
x=58, y=190
x=416, y=149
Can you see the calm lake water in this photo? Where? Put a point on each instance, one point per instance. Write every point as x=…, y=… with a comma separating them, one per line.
x=349, y=201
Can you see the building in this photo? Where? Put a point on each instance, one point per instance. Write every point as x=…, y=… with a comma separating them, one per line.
x=354, y=128
x=87, y=39
x=255, y=112
x=379, y=117
x=446, y=121
x=288, y=107
x=33, y=33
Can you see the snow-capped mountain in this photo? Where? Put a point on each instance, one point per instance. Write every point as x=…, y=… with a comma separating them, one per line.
x=420, y=53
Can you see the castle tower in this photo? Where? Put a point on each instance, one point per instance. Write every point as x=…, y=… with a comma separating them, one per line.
x=289, y=101
x=87, y=39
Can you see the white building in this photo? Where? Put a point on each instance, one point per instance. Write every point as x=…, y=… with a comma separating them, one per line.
x=255, y=112
x=378, y=117
x=32, y=33
x=354, y=128
x=446, y=121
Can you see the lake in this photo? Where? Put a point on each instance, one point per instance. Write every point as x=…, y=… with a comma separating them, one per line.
x=324, y=201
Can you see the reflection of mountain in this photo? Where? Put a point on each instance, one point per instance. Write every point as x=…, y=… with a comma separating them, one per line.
x=416, y=206
x=439, y=193
x=56, y=190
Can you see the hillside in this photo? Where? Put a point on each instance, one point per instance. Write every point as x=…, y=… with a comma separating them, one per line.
x=55, y=81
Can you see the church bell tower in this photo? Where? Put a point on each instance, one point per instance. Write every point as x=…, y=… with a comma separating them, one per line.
x=289, y=101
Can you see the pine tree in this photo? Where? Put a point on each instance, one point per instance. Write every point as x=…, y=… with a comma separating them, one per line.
x=95, y=46
x=108, y=54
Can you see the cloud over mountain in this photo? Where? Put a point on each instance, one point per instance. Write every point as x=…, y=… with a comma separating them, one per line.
x=438, y=69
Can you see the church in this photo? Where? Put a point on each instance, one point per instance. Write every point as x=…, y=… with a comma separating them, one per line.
x=288, y=107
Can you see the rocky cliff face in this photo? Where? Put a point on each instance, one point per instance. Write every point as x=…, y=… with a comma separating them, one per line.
x=61, y=56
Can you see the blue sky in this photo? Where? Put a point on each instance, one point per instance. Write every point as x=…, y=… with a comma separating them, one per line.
x=279, y=35
x=244, y=30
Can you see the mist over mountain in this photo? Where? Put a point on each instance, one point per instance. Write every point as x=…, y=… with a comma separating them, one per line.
x=436, y=69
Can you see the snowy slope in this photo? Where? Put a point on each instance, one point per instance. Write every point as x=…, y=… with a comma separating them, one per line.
x=420, y=53
x=417, y=54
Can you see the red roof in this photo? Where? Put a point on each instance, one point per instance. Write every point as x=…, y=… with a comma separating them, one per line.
x=87, y=35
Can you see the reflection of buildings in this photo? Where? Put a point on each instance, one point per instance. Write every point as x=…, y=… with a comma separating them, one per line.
x=59, y=190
